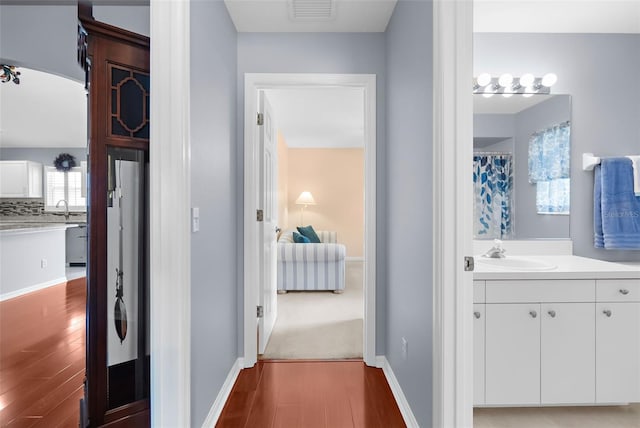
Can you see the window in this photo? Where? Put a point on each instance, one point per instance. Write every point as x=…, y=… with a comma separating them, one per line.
x=549, y=160
x=68, y=186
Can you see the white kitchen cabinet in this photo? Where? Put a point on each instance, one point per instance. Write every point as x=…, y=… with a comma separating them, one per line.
x=617, y=352
x=478, y=352
x=512, y=354
x=20, y=179
x=567, y=353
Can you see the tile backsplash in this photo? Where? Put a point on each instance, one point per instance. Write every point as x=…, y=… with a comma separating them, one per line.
x=21, y=207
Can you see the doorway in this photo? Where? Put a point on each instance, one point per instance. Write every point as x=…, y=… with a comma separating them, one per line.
x=254, y=84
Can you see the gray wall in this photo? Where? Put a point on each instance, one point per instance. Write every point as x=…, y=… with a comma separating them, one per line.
x=132, y=18
x=409, y=197
x=529, y=224
x=319, y=53
x=214, y=329
x=41, y=37
x=600, y=72
x=45, y=156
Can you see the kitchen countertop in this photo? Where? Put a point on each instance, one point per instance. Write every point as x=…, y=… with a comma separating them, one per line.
x=21, y=224
x=568, y=267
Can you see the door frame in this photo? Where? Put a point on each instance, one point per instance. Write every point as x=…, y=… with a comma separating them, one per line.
x=452, y=213
x=253, y=83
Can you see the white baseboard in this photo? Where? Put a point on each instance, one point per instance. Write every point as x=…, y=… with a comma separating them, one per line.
x=223, y=395
x=22, y=291
x=403, y=404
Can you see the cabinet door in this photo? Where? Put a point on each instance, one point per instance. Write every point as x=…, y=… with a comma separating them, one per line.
x=13, y=179
x=567, y=353
x=617, y=352
x=478, y=353
x=512, y=354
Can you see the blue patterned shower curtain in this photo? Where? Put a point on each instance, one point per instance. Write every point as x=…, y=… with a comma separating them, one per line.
x=493, y=189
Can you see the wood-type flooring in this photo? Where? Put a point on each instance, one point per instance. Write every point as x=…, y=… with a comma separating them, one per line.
x=42, y=356
x=311, y=394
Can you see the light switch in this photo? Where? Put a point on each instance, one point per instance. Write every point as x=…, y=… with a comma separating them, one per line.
x=195, y=219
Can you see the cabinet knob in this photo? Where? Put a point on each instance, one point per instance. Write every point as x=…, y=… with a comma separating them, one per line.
x=624, y=291
x=533, y=314
x=607, y=312
x=477, y=315
x=552, y=314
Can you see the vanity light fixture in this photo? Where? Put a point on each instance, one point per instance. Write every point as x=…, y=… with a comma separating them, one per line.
x=507, y=85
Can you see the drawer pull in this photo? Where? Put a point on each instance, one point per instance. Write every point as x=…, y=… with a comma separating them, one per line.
x=624, y=291
x=607, y=312
x=477, y=315
x=552, y=314
x=533, y=314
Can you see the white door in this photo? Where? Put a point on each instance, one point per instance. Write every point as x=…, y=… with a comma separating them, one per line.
x=568, y=353
x=267, y=228
x=478, y=353
x=512, y=362
x=618, y=352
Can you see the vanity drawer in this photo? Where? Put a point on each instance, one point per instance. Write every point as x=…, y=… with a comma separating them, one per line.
x=618, y=290
x=478, y=291
x=547, y=290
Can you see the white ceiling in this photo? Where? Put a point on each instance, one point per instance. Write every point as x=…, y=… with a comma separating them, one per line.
x=319, y=117
x=498, y=104
x=275, y=16
x=44, y=110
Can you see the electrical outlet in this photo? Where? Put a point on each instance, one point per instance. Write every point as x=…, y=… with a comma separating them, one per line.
x=43, y=263
x=405, y=349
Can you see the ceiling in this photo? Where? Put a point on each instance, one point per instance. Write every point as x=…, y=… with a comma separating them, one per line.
x=498, y=104
x=44, y=110
x=319, y=117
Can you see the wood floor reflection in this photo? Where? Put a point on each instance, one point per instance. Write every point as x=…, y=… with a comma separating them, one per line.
x=311, y=394
x=42, y=356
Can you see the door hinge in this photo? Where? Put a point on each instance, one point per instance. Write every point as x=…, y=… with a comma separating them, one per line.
x=260, y=119
x=259, y=215
x=468, y=263
x=260, y=312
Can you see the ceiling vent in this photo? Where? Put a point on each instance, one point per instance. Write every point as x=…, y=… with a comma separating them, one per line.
x=312, y=10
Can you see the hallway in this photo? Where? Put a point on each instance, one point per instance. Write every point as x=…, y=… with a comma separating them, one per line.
x=311, y=394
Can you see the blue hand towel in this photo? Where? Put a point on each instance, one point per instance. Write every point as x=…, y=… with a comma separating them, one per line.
x=620, y=208
x=598, y=236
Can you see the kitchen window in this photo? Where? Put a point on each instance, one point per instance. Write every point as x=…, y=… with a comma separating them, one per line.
x=69, y=186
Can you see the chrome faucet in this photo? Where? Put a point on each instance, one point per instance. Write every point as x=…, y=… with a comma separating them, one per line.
x=66, y=208
x=496, y=252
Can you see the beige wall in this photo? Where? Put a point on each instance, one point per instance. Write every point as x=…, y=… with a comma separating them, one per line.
x=335, y=178
x=283, y=187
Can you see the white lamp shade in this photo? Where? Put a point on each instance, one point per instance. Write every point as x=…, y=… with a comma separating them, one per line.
x=305, y=198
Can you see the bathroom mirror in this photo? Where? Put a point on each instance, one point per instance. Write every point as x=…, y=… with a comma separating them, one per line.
x=521, y=166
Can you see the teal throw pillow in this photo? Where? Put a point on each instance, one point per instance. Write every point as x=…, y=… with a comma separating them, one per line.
x=309, y=233
x=300, y=239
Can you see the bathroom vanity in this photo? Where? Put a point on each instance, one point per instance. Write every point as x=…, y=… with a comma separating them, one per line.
x=565, y=334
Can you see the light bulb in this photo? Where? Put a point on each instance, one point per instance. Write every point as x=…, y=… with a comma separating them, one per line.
x=484, y=79
x=527, y=80
x=549, y=79
x=490, y=88
x=505, y=80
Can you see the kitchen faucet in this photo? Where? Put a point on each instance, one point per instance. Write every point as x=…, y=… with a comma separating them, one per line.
x=66, y=208
x=496, y=252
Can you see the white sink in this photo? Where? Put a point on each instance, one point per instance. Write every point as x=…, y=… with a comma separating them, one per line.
x=516, y=263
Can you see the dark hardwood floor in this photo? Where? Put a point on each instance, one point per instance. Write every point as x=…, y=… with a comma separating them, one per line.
x=42, y=357
x=310, y=394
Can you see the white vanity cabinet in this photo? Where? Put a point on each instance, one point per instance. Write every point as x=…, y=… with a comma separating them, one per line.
x=20, y=179
x=618, y=341
x=478, y=342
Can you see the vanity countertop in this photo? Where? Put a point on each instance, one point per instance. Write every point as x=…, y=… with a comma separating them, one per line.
x=568, y=267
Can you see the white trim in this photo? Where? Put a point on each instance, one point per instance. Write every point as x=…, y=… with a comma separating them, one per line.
x=452, y=160
x=32, y=288
x=170, y=197
x=223, y=395
x=252, y=84
x=407, y=414
x=354, y=259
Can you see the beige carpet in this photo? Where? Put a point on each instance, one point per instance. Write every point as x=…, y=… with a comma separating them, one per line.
x=320, y=324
